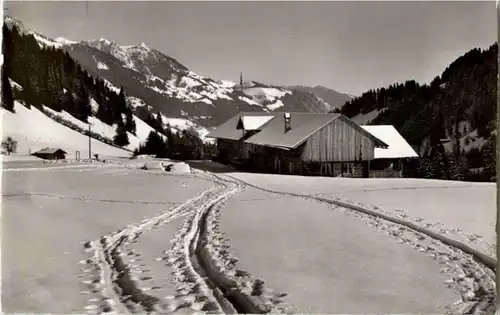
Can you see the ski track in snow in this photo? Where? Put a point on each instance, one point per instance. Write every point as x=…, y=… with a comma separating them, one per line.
x=30, y=194
x=474, y=280
x=205, y=273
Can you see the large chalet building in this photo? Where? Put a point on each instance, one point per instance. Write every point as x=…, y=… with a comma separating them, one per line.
x=298, y=143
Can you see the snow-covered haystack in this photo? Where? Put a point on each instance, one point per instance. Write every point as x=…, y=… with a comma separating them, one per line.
x=179, y=167
x=165, y=165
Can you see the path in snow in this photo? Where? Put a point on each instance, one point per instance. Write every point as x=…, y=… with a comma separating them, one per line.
x=43, y=235
x=117, y=275
x=127, y=270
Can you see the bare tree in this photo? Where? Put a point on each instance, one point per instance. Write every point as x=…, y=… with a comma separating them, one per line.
x=9, y=145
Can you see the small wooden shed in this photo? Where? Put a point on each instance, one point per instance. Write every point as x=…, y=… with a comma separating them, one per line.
x=50, y=154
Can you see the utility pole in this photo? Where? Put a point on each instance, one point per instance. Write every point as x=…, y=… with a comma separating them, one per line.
x=90, y=145
x=241, y=89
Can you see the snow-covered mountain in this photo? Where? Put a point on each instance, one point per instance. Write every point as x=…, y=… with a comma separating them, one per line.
x=155, y=82
x=170, y=87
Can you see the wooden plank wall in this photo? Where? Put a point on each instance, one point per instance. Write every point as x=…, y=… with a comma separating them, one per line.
x=386, y=173
x=338, y=142
x=229, y=150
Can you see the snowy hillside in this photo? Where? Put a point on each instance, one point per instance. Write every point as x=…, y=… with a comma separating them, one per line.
x=53, y=132
x=33, y=130
x=107, y=131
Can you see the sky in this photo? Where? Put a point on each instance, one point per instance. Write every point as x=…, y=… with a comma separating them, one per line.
x=348, y=46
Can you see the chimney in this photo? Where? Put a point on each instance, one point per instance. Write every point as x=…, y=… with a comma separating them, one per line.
x=288, y=122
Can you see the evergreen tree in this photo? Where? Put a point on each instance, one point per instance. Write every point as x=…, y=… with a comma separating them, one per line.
x=82, y=104
x=159, y=123
x=130, y=122
x=489, y=157
x=121, y=101
x=121, y=137
x=170, y=141
x=7, y=96
x=154, y=145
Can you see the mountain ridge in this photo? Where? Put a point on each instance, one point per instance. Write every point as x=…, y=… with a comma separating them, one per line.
x=167, y=86
x=334, y=98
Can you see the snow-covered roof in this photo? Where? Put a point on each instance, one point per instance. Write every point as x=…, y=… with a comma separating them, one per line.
x=254, y=122
x=50, y=151
x=398, y=147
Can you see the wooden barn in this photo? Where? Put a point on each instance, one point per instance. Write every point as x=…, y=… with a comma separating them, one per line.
x=297, y=143
x=50, y=154
x=389, y=162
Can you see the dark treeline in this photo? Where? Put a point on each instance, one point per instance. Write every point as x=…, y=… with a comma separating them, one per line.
x=459, y=101
x=181, y=145
x=51, y=77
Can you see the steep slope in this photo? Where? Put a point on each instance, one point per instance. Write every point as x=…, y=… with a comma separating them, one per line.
x=33, y=130
x=54, y=88
x=333, y=98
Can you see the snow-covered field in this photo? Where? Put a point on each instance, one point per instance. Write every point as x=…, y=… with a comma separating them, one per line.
x=48, y=215
x=327, y=261
x=114, y=237
x=461, y=210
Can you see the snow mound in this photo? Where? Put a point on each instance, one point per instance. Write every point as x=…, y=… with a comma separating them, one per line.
x=180, y=167
x=164, y=165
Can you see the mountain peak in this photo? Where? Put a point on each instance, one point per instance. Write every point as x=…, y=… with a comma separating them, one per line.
x=10, y=21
